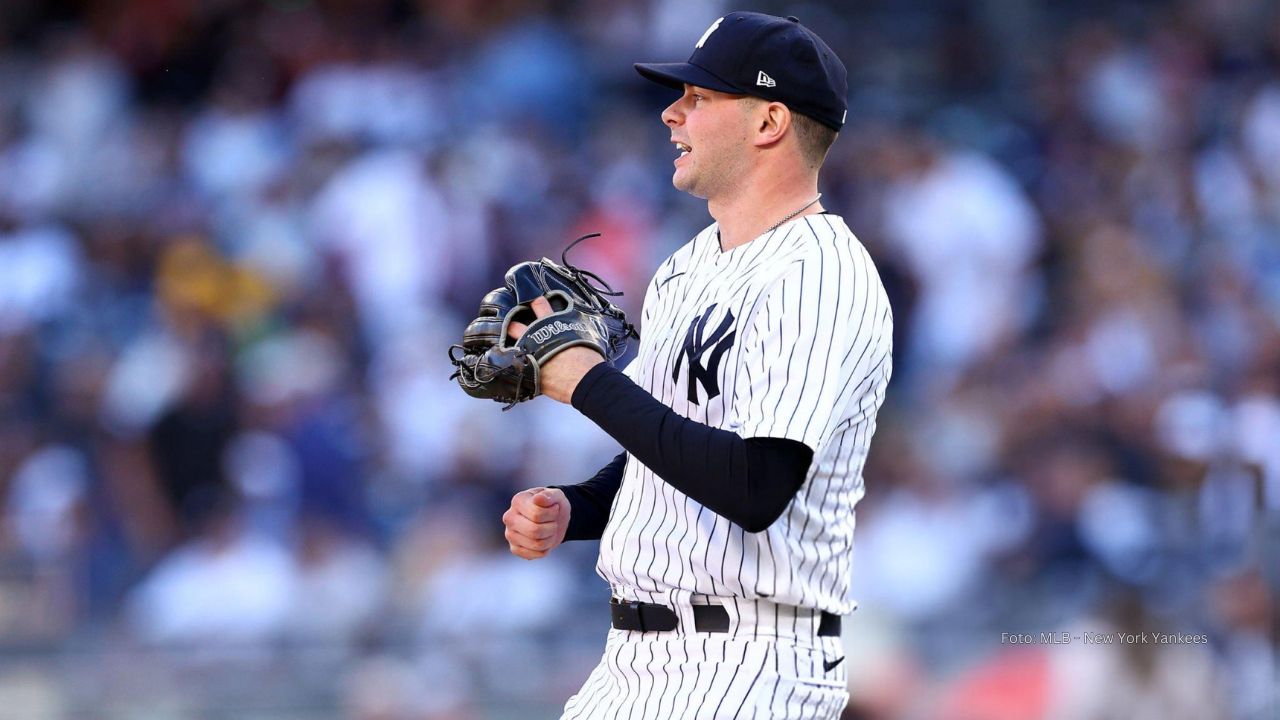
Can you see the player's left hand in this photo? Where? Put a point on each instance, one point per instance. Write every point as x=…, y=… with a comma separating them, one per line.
x=561, y=374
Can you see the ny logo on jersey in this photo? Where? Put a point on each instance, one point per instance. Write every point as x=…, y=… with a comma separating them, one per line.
x=696, y=345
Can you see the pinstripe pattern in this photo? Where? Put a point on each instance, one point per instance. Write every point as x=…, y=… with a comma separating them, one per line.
x=810, y=362
x=667, y=676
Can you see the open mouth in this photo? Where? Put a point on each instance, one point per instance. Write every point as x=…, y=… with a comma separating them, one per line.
x=683, y=148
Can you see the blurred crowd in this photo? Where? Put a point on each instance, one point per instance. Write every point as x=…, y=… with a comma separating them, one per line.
x=237, y=238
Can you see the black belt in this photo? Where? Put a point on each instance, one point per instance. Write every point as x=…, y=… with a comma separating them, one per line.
x=647, y=617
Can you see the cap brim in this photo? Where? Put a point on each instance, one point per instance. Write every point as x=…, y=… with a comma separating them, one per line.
x=677, y=75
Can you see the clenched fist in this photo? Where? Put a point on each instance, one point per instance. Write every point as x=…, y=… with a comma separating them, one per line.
x=536, y=522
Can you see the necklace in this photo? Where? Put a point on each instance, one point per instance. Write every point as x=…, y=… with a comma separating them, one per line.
x=797, y=212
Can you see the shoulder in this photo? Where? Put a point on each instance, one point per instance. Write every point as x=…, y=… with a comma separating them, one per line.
x=826, y=233
x=690, y=250
x=837, y=261
x=824, y=239
x=684, y=256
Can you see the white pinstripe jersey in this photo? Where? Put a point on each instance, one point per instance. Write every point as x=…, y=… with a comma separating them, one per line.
x=787, y=336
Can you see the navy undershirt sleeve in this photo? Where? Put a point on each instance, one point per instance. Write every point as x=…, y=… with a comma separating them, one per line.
x=589, y=501
x=749, y=482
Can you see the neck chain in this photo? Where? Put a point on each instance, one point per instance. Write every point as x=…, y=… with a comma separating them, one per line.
x=797, y=212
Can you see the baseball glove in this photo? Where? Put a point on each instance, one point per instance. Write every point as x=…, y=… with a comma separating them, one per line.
x=493, y=366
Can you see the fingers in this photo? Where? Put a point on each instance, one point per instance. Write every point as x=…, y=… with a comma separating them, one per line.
x=532, y=523
x=526, y=548
x=527, y=554
x=541, y=308
x=538, y=505
x=527, y=528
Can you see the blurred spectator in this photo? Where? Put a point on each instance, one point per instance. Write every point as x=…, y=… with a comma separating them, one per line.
x=188, y=441
x=1139, y=679
x=969, y=234
x=384, y=222
x=228, y=584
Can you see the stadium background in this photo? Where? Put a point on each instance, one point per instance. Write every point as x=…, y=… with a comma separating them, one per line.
x=236, y=238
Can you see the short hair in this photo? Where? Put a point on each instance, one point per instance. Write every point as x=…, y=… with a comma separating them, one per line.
x=815, y=139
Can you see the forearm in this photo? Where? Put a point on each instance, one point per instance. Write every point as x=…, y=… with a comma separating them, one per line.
x=750, y=482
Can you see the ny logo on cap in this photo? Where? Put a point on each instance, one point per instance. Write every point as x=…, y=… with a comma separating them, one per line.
x=707, y=34
x=764, y=80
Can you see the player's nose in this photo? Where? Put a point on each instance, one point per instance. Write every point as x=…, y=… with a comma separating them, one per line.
x=672, y=115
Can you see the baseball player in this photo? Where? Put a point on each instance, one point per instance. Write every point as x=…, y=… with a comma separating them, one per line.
x=726, y=525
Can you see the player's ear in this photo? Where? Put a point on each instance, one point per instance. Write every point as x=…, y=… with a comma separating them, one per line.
x=773, y=120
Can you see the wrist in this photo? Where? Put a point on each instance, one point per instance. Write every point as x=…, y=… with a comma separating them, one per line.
x=562, y=376
x=590, y=379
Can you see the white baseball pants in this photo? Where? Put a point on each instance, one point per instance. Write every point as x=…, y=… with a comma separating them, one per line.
x=713, y=676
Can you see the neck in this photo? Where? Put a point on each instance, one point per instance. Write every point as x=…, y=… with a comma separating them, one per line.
x=755, y=207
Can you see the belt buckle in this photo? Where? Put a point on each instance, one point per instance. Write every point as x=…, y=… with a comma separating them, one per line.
x=662, y=618
x=630, y=615
x=626, y=614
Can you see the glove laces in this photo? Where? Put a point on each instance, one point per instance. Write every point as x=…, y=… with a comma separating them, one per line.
x=581, y=275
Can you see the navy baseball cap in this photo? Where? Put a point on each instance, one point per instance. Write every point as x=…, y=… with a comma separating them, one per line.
x=774, y=58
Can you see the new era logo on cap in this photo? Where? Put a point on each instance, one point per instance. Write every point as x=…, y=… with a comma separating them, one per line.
x=764, y=80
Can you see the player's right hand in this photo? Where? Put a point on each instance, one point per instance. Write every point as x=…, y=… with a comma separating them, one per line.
x=536, y=522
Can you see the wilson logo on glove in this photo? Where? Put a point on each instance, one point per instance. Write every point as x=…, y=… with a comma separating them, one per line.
x=556, y=328
x=489, y=368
